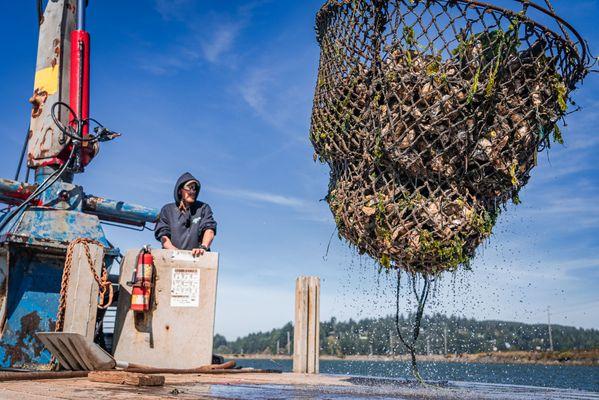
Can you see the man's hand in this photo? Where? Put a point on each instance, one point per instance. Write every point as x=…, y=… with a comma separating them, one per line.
x=167, y=244
x=197, y=252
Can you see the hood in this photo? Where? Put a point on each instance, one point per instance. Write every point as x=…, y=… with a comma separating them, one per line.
x=183, y=179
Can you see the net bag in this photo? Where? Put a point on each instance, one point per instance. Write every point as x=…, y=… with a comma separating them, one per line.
x=430, y=115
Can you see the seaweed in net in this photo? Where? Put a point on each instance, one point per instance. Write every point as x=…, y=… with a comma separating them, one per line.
x=430, y=115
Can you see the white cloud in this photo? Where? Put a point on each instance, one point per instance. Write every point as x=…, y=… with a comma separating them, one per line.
x=303, y=210
x=213, y=34
x=261, y=197
x=172, y=9
x=253, y=89
x=170, y=61
x=285, y=106
x=220, y=42
x=220, y=33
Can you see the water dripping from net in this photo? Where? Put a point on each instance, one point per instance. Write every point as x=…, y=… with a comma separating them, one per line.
x=421, y=295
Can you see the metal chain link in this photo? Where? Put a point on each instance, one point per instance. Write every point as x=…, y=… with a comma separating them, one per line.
x=104, y=284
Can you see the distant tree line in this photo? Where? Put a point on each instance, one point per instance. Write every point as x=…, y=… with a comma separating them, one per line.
x=440, y=334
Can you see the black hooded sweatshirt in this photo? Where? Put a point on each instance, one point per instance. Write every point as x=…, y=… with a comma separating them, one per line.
x=184, y=228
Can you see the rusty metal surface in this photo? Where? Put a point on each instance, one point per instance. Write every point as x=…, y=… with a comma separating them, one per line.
x=56, y=228
x=32, y=300
x=39, y=232
x=14, y=192
x=63, y=196
x=52, y=81
x=4, y=262
x=76, y=352
x=119, y=211
x=172, y=326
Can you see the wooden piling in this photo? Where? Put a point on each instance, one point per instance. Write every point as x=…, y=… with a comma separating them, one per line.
x=306, y=338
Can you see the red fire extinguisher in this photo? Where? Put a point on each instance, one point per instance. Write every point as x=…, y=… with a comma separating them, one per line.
x=143, y=277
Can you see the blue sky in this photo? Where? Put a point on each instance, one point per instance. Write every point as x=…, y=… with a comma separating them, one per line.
x=224, y=90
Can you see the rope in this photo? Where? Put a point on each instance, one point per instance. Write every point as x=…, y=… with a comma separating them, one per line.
x=104, y=285
x=421, y=300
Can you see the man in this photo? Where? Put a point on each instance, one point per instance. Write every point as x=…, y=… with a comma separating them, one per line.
x=186, y=224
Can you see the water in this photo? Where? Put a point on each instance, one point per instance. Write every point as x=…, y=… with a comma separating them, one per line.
x=555, y=376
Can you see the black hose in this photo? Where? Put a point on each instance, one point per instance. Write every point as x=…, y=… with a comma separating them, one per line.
x=40, y=12
x=74, y=134
x=23, y=150
x=49, y=181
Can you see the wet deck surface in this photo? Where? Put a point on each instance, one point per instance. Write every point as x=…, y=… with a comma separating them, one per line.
x=277, y=386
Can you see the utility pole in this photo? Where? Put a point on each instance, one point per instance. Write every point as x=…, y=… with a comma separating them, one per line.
x=428, y=345
x=288, y=343
x=445, y=338
x=278, y=347
x=549, y=329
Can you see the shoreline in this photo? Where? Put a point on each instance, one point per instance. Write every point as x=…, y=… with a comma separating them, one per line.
x=578, y=358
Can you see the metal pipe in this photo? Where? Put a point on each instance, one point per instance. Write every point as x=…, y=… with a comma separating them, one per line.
x=15, y=190
x=131, y=367
x=119, y=211
x=36, y=375
x=81, y=15
x=41, y=173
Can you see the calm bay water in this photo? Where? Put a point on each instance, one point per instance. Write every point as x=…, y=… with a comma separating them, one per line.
x=568, y=377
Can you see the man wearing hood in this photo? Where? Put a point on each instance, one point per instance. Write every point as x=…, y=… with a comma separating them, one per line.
x=186, y=224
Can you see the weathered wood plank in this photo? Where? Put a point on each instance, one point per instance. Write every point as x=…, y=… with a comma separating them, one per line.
x=126, y=378
x=313, y=325
x=306, y=331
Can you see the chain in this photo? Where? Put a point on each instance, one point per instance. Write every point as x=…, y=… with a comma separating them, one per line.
x=104, y=284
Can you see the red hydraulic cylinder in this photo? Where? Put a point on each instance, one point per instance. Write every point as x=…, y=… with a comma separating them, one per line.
x=79, y=85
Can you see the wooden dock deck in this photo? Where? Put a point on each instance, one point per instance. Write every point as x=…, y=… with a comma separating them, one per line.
x=274, y=386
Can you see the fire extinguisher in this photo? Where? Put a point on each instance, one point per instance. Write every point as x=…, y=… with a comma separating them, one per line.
x=142, y=281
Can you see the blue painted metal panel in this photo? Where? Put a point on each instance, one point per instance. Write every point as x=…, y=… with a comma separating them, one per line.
x=32, y=304
x=64, y=196
x=56, y=228
x=114, y=210
x=14, y=192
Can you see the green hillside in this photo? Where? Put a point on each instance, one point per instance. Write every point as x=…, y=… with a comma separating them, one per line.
x=439, y=334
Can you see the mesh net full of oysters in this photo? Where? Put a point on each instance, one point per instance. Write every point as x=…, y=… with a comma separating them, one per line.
x=423, y=150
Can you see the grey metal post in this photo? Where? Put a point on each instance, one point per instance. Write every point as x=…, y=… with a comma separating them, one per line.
x=445, y=338
x=428, y=345
x=51, y=84
x=81, y=15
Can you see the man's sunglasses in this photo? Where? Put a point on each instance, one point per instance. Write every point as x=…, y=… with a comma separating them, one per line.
x=192, y=188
